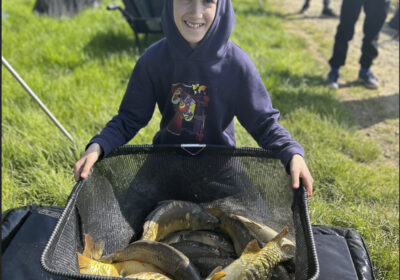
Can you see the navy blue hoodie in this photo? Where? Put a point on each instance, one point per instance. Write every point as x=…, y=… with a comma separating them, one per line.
x=198, y=92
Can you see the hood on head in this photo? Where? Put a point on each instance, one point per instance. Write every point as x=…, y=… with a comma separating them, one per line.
x=213, y=44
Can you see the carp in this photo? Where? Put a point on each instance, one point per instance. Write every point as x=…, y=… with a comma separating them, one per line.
x=193, y=249
x=236, y=230
x=206, y=265
x=159, y=254
x=175, y=215
x=87, y=261
x=261, y=232
x=89, y=264
x=213, y=238
x=148, y=275
x=132, y=267
x=254, y=263
x=93, y=267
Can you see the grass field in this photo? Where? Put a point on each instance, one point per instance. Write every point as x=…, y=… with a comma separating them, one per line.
x=80, y=67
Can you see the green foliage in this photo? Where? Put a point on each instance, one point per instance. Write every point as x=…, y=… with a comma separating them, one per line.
x=80, y=67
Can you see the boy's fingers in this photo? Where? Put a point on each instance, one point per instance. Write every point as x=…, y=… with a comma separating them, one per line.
x=77, y=169
x=295, y=179
x=308, y=184
x=90, y=160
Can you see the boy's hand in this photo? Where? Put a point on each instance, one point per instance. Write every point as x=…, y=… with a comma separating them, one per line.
x=299, y=169
x=83, y=166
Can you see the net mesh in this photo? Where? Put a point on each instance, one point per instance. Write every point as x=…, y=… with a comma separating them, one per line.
x=112, y=203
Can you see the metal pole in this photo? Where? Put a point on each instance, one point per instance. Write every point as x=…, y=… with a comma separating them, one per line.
x=33, y=95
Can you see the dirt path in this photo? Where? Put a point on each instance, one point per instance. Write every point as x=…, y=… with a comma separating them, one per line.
x=376, y=111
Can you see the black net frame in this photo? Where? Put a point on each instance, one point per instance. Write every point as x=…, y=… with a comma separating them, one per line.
x=112, y=203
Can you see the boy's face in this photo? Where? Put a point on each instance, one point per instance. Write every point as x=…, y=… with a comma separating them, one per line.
x=193, y=18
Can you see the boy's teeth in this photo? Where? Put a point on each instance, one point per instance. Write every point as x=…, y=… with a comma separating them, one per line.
x=193, y=25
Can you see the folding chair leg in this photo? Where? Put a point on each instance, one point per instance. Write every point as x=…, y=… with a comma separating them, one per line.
x=137, y=41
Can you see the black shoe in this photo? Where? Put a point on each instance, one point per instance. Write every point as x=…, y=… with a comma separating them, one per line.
x=332, y=79
x=368, y=79
x=328, y=13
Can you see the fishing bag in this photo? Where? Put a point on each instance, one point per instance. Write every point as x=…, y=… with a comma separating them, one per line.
x=24, y=234
x=342, y=254
x=113, y=202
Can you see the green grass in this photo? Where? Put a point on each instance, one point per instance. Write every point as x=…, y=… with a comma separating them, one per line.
x=80, y=67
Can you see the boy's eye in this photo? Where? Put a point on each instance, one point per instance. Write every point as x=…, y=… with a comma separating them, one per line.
x=210, y=1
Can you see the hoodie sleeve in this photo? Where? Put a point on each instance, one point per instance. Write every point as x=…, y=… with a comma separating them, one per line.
x=135, y=111
x=255, y=112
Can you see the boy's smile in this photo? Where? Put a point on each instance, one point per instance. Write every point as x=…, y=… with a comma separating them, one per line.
x=193, y=18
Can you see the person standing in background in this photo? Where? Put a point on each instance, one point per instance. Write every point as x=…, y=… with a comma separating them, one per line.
x=375, y=15
x=326, y=11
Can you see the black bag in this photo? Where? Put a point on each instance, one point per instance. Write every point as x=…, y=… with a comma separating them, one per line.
x=342, y=254
x=24, y=234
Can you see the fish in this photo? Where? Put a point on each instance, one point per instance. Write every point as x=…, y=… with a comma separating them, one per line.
x=87, y=261
x=162, y=255
x=92, y=249
x=205, y=265
x=93, y=267
x=175, y=236
x=213, y=238
x=255, y=262
x=236, y=230
x=261, y=232
x=148, y=275
x=132, y=267
x=175, y=215
x=280, y=273
x=193, y=249
x=89, y=264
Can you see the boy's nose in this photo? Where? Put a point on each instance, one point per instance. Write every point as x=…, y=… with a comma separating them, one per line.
x=197, y=9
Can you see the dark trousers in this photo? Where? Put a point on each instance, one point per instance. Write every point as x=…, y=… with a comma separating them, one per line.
x=375, y=15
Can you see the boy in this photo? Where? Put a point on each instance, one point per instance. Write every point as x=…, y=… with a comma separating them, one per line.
x=200, y=81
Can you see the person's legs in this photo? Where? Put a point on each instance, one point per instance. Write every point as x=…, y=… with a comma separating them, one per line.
x=349, y=14
x=327, y=11
x=305, y=7
x=375, y=15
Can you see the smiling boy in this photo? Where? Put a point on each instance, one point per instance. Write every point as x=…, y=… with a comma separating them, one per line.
x=200, y=81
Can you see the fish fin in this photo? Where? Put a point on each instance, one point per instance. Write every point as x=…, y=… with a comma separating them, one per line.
x=92, y=249
x=218, y=275
x=214, y=271
x=252, y=247
x=90, y=266
x=89, y=244
x=98, y=249
x=279, y=237
x=83, y=261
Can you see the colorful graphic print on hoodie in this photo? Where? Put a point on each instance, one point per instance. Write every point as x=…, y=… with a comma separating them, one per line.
x=190, y=105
